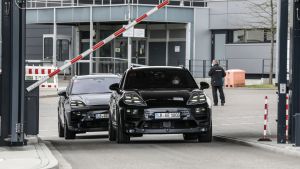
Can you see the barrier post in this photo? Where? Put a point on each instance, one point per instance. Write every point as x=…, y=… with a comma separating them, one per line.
x=265, y=138
x=287, y=119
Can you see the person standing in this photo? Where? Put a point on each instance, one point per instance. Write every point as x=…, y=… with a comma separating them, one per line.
x=217, y=75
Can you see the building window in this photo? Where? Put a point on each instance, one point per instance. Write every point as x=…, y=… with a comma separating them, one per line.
x=48, y=48
x=250, y=36
x=239, y=36
x=62, y=49
x=254, y=36
x=268, y=36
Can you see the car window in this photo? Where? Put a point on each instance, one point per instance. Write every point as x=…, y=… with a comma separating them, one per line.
x=93, y=85
x=159, y=79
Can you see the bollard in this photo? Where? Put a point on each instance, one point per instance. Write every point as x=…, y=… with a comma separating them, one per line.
x=297, y=127
x=287, y=119
x=265, y=138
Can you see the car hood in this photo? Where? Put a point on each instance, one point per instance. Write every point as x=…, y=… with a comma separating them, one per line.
x=165, y=98
x=92, y=99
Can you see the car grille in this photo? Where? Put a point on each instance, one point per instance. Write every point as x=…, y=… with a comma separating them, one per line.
x=165, y=102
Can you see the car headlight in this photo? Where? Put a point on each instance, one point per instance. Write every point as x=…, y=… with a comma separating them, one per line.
x=133, y=99
x=196, y=98
x=77, y=103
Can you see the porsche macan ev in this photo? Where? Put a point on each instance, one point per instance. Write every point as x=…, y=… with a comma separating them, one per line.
x=159, y=100
x=84, y=105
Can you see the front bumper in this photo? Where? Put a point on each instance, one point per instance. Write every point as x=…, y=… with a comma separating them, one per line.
x=144, y=121
x=167, y=131
x=86, y=120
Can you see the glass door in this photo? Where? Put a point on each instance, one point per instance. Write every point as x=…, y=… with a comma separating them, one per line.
x=63, y=50
x=139, y=51
x=120, y=55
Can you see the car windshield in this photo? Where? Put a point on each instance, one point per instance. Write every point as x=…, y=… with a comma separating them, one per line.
x=159, y=79
x=93, y=85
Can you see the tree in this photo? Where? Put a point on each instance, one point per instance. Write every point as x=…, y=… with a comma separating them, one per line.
x=265, y=13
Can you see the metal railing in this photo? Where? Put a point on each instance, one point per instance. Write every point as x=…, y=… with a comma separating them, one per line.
x=71, y=3
x=38, y=62
x=200, y=68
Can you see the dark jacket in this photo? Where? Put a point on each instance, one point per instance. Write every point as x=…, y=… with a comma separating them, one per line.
x=217, y=74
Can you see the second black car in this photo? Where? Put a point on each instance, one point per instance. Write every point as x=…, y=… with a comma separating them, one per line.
x=159, y=100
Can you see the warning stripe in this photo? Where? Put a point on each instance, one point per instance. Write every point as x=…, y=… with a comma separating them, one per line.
x=138, y=20
x=163, y=4
x=100, y=44
x=54, y=73
x=74, y=60
x=119, y=32
x=287, y=119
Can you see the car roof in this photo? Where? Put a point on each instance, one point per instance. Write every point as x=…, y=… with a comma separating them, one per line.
x=96, y=76
x=156, y=67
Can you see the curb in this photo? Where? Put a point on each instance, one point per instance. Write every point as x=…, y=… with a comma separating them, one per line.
x=48, y=161
x=291, y=151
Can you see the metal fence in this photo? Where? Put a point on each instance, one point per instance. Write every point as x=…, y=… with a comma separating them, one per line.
x=200, y=68
x=65, y=3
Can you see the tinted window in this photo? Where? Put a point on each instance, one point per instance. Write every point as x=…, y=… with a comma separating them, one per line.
x=93, y=85
x=159, y=79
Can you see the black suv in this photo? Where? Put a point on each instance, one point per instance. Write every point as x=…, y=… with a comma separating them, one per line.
x=83, y=106
x=159, y=100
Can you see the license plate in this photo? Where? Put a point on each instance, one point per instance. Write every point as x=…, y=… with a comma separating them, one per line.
x=167, y=115
x=101, y=116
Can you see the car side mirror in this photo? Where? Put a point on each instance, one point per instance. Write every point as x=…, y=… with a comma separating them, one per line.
x=204, y=85
x=62, y=93
x=114, y=87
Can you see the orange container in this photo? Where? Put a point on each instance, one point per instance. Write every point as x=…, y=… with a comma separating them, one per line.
x=235, y=78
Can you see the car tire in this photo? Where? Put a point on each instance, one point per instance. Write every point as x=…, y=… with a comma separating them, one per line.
x=60, y=129
x=207, y=137
x=68, y=133
x=121, y=136
x=188, y=137
x=111, y=131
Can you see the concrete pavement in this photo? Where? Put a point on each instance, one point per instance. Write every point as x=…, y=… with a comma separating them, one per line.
x=94, y=151
x=241, y=120
x=35, y=155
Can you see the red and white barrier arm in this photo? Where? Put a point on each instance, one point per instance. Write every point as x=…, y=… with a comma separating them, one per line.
x=99, y=45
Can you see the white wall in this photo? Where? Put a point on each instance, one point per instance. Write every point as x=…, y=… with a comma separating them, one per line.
x=231, y=14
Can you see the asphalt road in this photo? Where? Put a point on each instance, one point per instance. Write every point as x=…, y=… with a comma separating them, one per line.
x=242, y=117
x=171, y=153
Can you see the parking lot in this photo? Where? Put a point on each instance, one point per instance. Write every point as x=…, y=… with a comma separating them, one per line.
x=242, y=116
